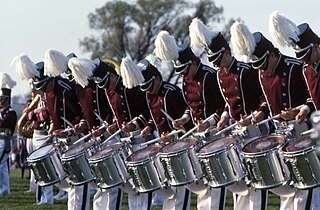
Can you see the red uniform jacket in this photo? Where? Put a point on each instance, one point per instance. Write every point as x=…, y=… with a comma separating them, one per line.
x=93, y=99
x=62, y=101
x=241, y=89
x=8, y=120
x=127, y=104
x=203, y=95
x=312, y=77
x=285, y=87
x=169, y=98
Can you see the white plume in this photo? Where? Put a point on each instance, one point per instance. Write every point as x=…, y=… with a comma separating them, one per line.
x=282, y=30
x=166, y=47
x=82, y=70
x=6, y=81
x=25, y=68
x=200, y=35
x=154, y=60
x=55, y=63
x=242, y=41
x=130, y=73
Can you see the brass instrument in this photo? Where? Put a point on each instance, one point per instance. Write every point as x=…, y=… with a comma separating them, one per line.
x=113, y=62
x=25, y=127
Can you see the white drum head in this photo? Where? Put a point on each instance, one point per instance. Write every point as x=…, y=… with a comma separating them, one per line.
x=107, y=150
x=299, y=143
x=145, y=153
x=217, y=145
x=179, y=145
x=263, y=144
x=42, y=151
x=78, y=149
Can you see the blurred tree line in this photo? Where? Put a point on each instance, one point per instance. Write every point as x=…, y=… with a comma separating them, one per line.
x=129, y=28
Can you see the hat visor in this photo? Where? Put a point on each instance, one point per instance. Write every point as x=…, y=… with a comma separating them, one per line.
x=147, y=86
x=301, y=55
x=258, y=63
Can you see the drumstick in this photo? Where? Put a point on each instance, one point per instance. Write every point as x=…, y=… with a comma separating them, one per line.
x=118, y=131
x=195, y=127
x=47, y=136
x=307, y=132
x=158, y=139
x=252, y=115
x=100, y=119
x=66, y=121
x=88, y=135
x=169, y=117
x=276, y=116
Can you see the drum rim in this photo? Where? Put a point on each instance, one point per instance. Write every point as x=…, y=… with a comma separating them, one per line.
x=182, y=149
x=63, y=157
x=298, y=152
x=98, y=159
x=267, y=151
x=38, y=158
x=141, y=162
x=218, y=151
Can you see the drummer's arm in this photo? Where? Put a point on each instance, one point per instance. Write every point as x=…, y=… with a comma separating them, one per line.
x=148, y=129
x=262, y=112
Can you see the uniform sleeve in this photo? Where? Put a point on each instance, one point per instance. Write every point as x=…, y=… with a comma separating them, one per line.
x=215, y=103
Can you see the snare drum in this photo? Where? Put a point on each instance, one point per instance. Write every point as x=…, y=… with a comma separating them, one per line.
x=180, y=161
x=220, y=161
x=262, y=160
x=75, y=163
x=146, y=170
x=300, y=156
x=109, y=167
x=46, y=165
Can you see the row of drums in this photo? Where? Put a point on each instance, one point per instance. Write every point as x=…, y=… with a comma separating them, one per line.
x=265, y=162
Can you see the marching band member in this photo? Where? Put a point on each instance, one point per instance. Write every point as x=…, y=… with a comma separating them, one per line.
x=61, y=101
x=92, y=100
x=30, y=148
x=127, y=105
x=239, y=84
x=284, y=88
x=8, y=119
x=202, y=93
x=305, y=44
x=160, y=95
x=40, y=119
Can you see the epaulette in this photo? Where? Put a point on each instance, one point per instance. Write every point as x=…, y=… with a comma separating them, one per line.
x=289, y=61
x=64, y=85
x=208, y=69
x=169, y=87
x=243, y=65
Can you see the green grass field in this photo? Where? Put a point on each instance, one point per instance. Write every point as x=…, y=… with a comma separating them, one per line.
x=18, y=200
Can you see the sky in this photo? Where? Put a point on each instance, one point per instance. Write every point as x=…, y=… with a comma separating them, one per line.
x=33, y=26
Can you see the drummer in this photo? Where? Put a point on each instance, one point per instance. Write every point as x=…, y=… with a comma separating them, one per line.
x=128, y=105
x=7, y=128
x=160, y=95
x=92, y=100
x=305, y=44
x=284, y=88
x=240, y=87
x=61, y=101
x=202, y=93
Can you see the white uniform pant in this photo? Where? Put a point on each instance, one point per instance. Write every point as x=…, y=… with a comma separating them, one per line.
x=248, y=198
x=32, y=182
x=110, y=199
x=294, y=199
x=175, y=198
x=208, y=198
x=4, y=170
x=43, y=194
